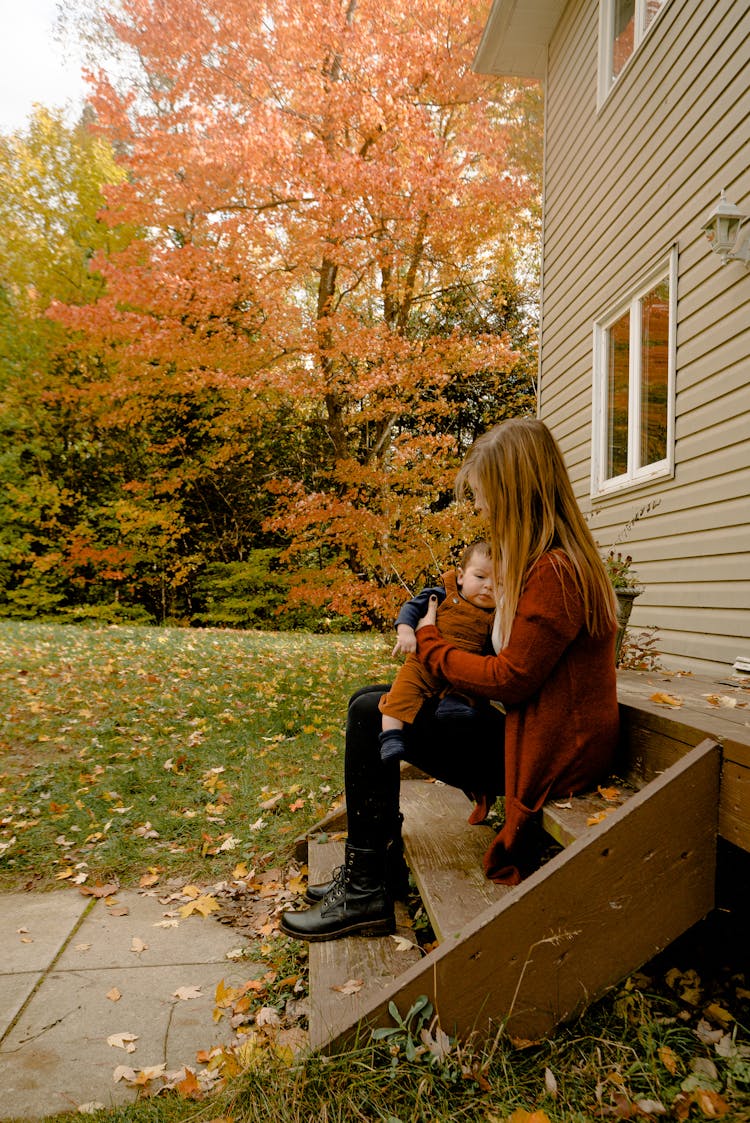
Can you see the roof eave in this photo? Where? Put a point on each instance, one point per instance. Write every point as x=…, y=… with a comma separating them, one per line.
x=515, y=39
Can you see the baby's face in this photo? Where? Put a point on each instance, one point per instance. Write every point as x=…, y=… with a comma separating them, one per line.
x=476, y=582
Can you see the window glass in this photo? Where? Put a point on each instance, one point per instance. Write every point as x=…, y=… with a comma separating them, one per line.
x=624, y=25
x=634, y=384
x=654, y=373
x=623, y=39
x=618, y=377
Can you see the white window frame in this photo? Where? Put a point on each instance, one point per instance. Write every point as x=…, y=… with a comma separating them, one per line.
x=635, y=474
x=608, y=80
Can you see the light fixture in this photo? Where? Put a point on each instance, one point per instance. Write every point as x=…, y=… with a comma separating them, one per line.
x=727, y=230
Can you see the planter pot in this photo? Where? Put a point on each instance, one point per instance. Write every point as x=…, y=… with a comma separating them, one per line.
x=625, y=598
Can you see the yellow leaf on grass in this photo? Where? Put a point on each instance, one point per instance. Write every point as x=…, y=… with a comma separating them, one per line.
x=664, y=699
x=204, y=905
x=669, y=1059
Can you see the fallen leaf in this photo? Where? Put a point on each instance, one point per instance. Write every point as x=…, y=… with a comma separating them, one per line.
x=204, y=905
x=402, y=944
x=725, y=700
x=81, y=947
x=124, y=1041
x=99, y=890
x=267, y=1016
x=90, y=1108
x=350, y=987
x=651, y=1107
x=146, y=1075
x=137, y=945
x=172, y=923
x=122, y=1072
x=610, y=794
x=186, y=993
x=664, y=699
x=113, y=995
x=148, y=880
x=669, y=1059
x=189, y=1088
x=119, y=910
x=711, y=1103
x=718, y=1014
x=550, y=1083
x=598, y=817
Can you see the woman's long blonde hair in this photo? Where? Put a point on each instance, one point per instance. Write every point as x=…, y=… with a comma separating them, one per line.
x=518, y=477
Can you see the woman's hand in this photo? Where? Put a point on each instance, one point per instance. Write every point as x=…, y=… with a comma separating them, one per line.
x=430, y=617
x=406, y=640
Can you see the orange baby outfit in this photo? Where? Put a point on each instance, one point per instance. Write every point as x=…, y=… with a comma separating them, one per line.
x=465, y=624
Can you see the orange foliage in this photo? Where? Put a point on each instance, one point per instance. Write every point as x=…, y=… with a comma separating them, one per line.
x=308, y=184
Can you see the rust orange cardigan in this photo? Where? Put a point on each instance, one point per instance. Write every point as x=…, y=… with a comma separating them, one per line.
x=558, y=686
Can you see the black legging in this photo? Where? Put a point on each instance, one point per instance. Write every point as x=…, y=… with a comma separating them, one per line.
x=467, y=754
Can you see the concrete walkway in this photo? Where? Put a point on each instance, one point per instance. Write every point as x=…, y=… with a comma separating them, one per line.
x=76, y=970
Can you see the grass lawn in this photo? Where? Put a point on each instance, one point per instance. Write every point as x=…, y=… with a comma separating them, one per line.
x=124, y=750
x=131, y=753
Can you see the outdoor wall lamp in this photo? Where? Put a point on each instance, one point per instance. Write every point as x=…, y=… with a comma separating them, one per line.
x=727, y=230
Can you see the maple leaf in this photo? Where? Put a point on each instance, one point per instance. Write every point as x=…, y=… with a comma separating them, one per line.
x=186, y=993
x=99, y=890
x=664, y=699
x=124, y=1041
x=204, y=905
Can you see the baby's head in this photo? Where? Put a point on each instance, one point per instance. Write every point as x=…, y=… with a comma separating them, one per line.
x=474, y=575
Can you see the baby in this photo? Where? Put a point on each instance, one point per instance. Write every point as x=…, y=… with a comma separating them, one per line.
x=465, y=615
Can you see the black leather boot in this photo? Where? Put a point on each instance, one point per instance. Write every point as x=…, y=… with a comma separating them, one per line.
x=396, y=872
x=357, y=903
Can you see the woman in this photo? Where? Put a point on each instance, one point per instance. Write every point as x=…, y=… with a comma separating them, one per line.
x=552, y=668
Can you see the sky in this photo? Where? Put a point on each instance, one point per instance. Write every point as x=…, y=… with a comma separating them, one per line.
x=32, y=65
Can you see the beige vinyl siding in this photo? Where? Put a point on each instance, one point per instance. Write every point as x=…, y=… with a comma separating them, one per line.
x=624, y=182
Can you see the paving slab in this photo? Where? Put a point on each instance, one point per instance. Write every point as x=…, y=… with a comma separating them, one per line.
x=57, y=1057
x=105, y=938
x=80, y=970
x=35, y=926
x=14, y=992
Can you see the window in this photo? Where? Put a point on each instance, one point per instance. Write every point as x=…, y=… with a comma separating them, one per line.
x=623, y=26
x=634, y=374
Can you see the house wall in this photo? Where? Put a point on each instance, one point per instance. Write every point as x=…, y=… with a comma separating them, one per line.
x=623, y=183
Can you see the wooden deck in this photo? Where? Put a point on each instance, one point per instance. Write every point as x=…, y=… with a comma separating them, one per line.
x=662, y=711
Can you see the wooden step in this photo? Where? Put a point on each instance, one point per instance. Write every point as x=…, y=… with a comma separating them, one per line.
x=627, y=887
x=363, y=966
x=565, y=820
x=445, y=855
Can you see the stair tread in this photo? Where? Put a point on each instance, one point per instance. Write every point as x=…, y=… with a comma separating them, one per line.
x=566, y=819
x=445, y=855
x=373, y=961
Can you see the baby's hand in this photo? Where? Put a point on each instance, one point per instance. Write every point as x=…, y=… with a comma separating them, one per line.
x=406, y=640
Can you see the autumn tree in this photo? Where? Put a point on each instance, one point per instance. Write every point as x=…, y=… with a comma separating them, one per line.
x=54, y=538
x=331, y=210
